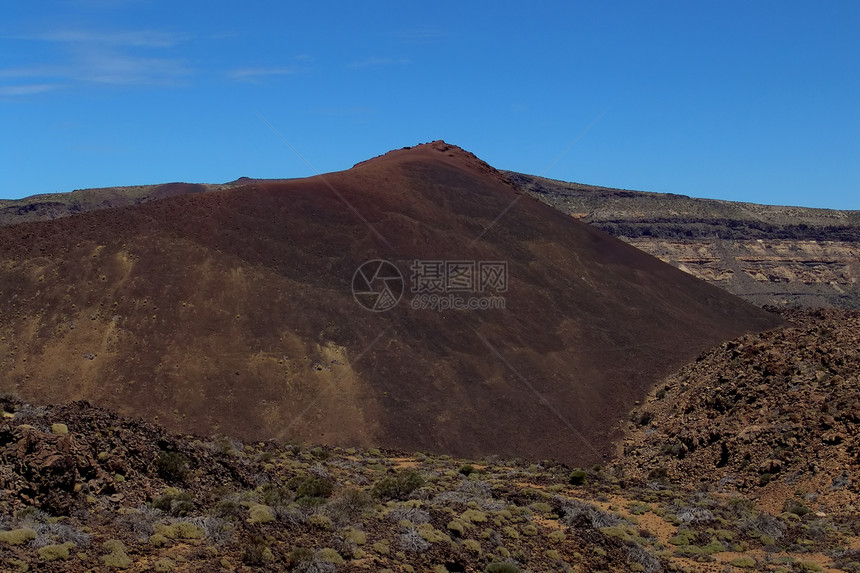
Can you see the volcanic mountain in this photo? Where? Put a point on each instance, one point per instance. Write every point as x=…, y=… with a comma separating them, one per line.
x=233, y=311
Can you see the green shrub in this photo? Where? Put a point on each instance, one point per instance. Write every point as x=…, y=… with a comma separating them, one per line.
x=181, y=530
x=228, y=509
x=311, y=486
x=682, y=538
x=175, y=502
x=744, y=562
x=501, y=567
x=60, y=429
x=117, y=558
x=474, y=516
x=457, y=527
x=261, y=514
x=796, y=508
x=467, y=469
x=172, y=466
x=329, y=555
x=257, y=552
x=382, y=547
x=354, y=535
x=714, y=546
x=398, y=486
x=577, y=477
x=165, y=565
x=17, y=536
x=54, y=552
x=319, y=453
x=617, y=531
x=273, y=495
x=321, y=521
x=658, y=474
x=349, y=505
x=431, y=534
x=300, y=555
x=226, y=446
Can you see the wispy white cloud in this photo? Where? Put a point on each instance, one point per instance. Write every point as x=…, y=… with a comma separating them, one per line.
x=30, y=72
x=255, y=74
x=420, y=35
x=106, y=4
x=379, y=62
x=118, y=58
x=123, y=69
x=129, y=38
x=357, y=111
x=27, y=89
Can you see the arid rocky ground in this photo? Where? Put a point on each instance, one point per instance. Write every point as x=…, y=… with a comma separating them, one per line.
x=774, y=415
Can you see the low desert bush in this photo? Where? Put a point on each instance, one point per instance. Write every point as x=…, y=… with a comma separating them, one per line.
x=349, y=505
x=398, y=486
x=257, y=552
x=172, y=466
x=502, y=567
x=176, y=503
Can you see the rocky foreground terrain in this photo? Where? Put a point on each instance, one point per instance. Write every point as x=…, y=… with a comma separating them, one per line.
x=775, y=415
x=746, y=460
x=767, y=254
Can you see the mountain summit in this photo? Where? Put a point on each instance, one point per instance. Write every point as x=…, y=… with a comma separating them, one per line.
x=513, y=329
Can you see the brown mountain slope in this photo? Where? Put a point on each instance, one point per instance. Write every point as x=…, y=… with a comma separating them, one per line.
x=232, y=311
x=766, y=254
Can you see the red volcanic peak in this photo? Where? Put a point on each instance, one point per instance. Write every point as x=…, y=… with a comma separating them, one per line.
x=233, y=311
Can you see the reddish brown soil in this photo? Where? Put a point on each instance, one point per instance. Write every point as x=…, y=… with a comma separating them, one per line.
x=232, y=311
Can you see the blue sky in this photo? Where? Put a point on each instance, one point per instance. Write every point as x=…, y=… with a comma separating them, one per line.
x=750, y=100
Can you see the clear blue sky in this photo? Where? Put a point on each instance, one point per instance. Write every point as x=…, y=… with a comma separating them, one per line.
x=746, y=100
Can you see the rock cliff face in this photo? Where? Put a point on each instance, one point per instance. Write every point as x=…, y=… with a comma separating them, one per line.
x=781, y=272
x=767, y=254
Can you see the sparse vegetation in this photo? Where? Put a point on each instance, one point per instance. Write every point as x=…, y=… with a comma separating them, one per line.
x=398, y=486
x=172, y=466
